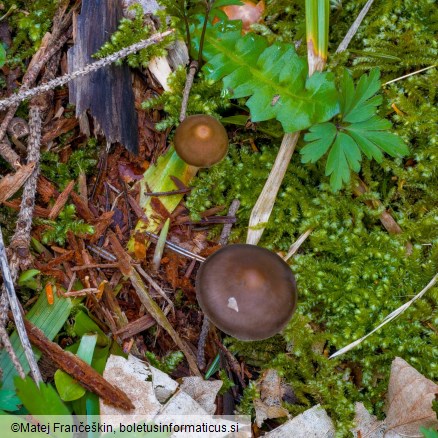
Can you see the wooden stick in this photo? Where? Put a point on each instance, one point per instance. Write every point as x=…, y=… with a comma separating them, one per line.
x=87, y=376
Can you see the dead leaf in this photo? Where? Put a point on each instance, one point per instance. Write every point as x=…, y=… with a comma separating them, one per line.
x=202, y=391
x=11, y=183
x=313, y=423
x=249, y=13
x=269, y=404
x=410, y=397
x=367, y=425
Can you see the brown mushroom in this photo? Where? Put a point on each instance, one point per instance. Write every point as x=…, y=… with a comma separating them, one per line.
x=201, y=140
x=246, y=291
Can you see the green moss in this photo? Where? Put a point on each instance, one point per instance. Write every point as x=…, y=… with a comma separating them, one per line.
x=29, y=21
x=205, y=98
x=131, y=31
x=351, y=273
x=81, y=160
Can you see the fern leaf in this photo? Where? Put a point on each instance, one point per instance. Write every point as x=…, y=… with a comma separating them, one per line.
x=273, y=77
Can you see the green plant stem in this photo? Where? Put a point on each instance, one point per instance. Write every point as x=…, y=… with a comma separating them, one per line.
x=204, y=29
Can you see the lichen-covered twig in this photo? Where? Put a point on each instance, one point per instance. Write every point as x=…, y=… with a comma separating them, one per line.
x=187, y=87
x=19, y=97
x=8, y=285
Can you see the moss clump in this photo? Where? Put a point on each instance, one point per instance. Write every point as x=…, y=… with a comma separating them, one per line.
x=30, y=21
x=351, y=273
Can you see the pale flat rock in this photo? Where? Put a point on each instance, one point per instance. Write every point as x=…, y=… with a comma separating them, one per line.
x=182, y=404
x=130, y=377
x=164, y=386
x=202, y=391
x=313, y=423
x=367, y=425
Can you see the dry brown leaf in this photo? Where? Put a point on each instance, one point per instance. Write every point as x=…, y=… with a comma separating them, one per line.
x=410, y=397
x=202, y=391
x=11, y=183
x=269, y=404
x=367, y=425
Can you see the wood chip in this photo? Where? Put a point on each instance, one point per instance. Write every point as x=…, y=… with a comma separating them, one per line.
x=60, y=202
x=86, y=376
x=11, y=183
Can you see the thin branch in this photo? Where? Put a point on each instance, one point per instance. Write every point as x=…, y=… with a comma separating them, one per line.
x=19, y=97
x=15, y=307
x=4, y=339
x=226, y=230
x=353, y=29
x=187, y=87
x=389, y=318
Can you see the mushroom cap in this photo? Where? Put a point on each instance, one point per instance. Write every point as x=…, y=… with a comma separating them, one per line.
x=246, y=291
x=201, y=140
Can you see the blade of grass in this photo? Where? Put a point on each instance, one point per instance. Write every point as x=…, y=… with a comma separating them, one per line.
x=49, y=319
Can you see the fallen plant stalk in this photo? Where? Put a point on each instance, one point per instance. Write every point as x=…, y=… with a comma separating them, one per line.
x=389, y=318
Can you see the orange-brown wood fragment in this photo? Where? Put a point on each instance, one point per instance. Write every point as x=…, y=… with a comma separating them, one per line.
x=11, y=183
x=85, y=375
x=68, y=255
x=101, y=224
x=82, y=208
x=46, y=189
x=143, y=323
x=122, y=256
x=58, y=128
x=62, y=199
x=385, y=218
x=37, y=211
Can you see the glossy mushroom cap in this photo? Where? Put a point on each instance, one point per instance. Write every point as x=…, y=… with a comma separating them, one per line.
x=201, y=140
x=246, y=291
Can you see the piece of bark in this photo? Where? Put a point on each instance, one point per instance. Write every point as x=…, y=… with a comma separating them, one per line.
x=60, y=202
x=133, y=328
x=11, y=183
x=82, y=207
x=57, y=128
x=107, y=93
x=86, y=376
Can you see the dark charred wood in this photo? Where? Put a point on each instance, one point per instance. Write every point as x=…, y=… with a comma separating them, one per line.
x=106, y=93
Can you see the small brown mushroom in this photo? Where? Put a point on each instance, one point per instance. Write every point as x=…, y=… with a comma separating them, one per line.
x=246, y=291
x=201, y=140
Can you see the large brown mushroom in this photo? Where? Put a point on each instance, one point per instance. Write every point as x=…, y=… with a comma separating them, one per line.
x=201, y=140
x=246, y=291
